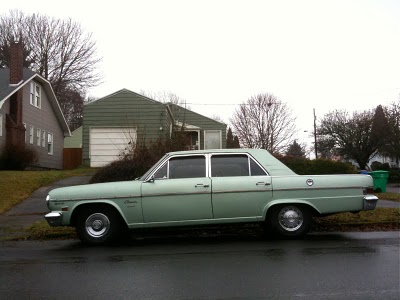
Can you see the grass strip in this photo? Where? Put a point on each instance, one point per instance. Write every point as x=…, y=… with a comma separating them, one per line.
x=15, y=186
x=43, y=231
x=378, y=215
x=380, y=219
x=389, y=196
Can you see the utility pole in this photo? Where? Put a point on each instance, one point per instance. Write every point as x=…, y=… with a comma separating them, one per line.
x=315, y=135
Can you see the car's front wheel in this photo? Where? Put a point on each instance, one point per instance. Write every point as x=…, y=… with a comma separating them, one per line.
x=98, y=225
x=290, y=220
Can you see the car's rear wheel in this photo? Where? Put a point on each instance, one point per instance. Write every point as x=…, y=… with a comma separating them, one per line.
x=99, y=225
x=291, y=220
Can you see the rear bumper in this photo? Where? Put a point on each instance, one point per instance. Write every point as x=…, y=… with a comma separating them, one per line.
x=370, y=202
x=54, y=218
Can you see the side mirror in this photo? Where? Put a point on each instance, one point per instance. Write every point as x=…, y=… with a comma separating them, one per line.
x=151, y=179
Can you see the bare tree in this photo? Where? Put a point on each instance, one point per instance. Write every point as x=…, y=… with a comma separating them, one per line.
x=14, y=28
x=166, y=97
x=58, y=50
x=350, y=136
x=217, y=118
x=71, y=103
x=264, y=122
x=393, y=115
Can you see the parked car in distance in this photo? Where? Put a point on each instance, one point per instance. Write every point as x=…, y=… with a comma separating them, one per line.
x=206, y=187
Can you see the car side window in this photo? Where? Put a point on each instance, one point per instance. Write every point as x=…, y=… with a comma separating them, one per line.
x=187, y=167
x=229, y=165
x=255, y=169
x=162, y=172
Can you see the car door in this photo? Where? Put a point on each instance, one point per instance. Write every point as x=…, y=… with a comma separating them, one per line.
x=240, y=187
x=178, y=191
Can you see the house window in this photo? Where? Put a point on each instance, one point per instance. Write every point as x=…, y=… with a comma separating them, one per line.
x=38, y=136
x=43, y=138
x=1, y=125
x=212, y=139
x=31, y=130
x=50, y=143
x=35, y=95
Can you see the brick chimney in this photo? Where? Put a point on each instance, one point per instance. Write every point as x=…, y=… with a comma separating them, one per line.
x=16, y=62
x=15, y=128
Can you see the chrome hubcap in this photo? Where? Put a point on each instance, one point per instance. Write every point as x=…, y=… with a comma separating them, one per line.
x=97, y=225
x=290, y=218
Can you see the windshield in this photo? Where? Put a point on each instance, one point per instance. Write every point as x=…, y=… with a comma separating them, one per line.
x=153, y=167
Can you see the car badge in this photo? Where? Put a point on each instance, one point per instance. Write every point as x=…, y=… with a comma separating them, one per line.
x=310, y=182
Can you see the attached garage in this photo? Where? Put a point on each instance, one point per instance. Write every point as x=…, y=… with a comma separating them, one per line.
x=107, y=144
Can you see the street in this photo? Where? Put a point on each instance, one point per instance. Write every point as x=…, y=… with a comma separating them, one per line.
x=323, y=266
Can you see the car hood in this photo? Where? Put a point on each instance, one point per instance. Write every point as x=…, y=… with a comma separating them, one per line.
x=109, y=190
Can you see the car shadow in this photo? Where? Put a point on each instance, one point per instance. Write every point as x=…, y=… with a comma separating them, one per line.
x=251, y=234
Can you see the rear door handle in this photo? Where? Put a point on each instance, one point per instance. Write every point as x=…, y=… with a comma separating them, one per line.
x=263, y=183
x=202, y=185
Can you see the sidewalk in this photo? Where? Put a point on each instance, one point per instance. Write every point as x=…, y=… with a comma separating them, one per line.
x=33, y=208
x=393, y=188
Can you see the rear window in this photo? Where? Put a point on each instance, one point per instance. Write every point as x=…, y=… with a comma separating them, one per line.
x=234, y=165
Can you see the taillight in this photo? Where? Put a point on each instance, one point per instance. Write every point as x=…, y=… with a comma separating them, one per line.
x=368, y=190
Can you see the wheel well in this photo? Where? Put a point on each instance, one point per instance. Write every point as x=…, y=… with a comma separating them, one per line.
x=313, y=211
x=100, y=206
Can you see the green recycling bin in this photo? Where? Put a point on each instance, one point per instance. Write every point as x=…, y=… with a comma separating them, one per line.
x=380, y=180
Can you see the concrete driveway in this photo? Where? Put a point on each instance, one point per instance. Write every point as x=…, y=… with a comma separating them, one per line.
x=33, y=208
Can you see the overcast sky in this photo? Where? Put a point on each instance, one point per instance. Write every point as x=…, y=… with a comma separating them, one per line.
x=216, y=54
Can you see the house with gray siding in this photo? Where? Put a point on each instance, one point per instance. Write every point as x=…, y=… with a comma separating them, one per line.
x=30, y=114
x=113, y=124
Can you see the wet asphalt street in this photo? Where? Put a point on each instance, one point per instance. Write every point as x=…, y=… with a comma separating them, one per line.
x=323, y=266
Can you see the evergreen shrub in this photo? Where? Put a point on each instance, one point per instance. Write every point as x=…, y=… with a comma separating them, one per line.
x=304, y=166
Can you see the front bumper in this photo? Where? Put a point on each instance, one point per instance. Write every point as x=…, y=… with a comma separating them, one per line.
x=54, y=218
x=370, y=202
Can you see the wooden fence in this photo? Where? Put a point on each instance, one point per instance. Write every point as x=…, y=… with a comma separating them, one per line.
x=72, y=158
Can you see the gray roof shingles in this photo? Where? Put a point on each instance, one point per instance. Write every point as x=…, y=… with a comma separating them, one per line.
x=5, y=88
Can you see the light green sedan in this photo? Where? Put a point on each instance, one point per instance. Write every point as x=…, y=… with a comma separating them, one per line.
x=209, y=187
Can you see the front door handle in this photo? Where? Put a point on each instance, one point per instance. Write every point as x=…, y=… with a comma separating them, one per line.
x=202, y=185
x=263, y=183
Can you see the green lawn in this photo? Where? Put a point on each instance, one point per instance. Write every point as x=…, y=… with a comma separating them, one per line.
x=378, y=215
x=15, y=186
x=389, y=196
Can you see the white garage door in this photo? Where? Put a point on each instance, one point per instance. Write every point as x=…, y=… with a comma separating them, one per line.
x=106, y=144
